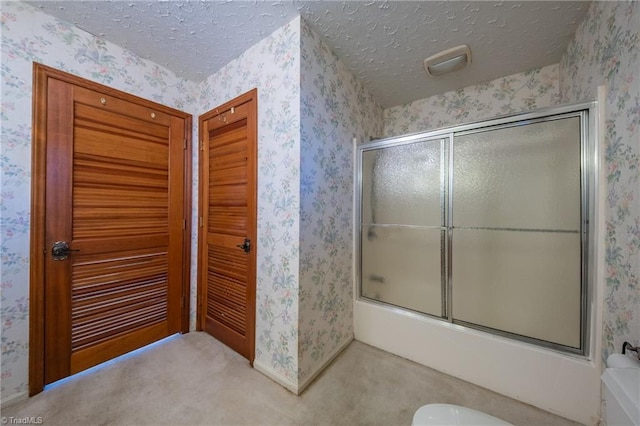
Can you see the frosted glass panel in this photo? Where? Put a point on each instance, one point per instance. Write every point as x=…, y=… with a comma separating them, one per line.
x=401, y=184
x=401, y=266
x=526, y=283
x=519, y=177
x=508, y=197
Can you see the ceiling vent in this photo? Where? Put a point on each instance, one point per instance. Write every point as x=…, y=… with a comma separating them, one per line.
x=447, y=61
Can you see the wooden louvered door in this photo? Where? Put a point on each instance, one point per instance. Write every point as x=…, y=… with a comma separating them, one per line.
x=228, y=223
x=115, y=179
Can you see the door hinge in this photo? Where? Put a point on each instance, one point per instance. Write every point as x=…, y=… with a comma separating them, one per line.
x=201, y=145
x=200, y=221
x=184, y=143
x=184, y=223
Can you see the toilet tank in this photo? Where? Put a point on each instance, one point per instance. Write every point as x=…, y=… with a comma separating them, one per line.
x=622, y=391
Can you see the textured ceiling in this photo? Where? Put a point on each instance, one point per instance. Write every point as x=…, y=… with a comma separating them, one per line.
x=382, y=43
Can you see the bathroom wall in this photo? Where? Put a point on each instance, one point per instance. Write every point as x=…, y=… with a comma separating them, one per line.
x=299, y=213
x=310, y=107
x=335, y=108
x=563, y=384
x=30, y=35
x=273, y=67
x=514, y=93
x=606, y=50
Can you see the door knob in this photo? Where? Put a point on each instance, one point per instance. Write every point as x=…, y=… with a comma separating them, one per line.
x=246, y=246
x=61, y=250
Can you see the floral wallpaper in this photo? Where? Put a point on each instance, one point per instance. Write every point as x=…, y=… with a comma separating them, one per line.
x=310, y=109
x=515, y=93
x=273, y=66
x=606, y=50
x=335, y=108
x=29, y=35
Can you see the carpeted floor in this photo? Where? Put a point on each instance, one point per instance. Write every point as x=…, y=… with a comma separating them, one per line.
x=195, y=380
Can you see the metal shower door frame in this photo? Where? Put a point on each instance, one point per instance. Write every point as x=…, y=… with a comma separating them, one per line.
x=587, y=113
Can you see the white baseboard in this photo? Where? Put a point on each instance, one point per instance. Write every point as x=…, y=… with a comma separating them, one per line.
x=297, y=388
x=276, y=377
x=324, y=364
x=13, y=399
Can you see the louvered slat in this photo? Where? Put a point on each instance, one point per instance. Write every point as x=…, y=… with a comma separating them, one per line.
x=232, y=318
x=112, y=177
x=226, y=287
x=233, y=133
x=232, y=263
x=228, y=195
x=117, y=326
x=118, y=123
x=120, y=190
x=107, y=302
x=229, y=292
x=113, y=296
x=230, y=220
x=120, y=183
x=228, y=178
x=148, y=174
x=231, y=154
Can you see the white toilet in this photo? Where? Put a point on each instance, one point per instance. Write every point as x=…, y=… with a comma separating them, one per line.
x=621, y=394
x=452, y=415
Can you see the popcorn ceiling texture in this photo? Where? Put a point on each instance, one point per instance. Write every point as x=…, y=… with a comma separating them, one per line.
x=384, y=44
x=273, y=65
x=381, y=43
x=194, y=39
x=291, y=302
x=29, y=35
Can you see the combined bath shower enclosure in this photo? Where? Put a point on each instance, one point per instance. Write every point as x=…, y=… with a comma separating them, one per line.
x=484, y=225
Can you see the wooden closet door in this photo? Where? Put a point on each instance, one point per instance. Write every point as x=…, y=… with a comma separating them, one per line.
x=115, y=175
x=228, y=218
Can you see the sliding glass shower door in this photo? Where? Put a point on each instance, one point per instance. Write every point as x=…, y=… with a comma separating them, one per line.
x=403, y=225
x=483, y=225
x=516, y=230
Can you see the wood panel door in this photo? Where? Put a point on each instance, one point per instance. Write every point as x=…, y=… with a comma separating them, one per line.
x=227, y=240
x=111, y=175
